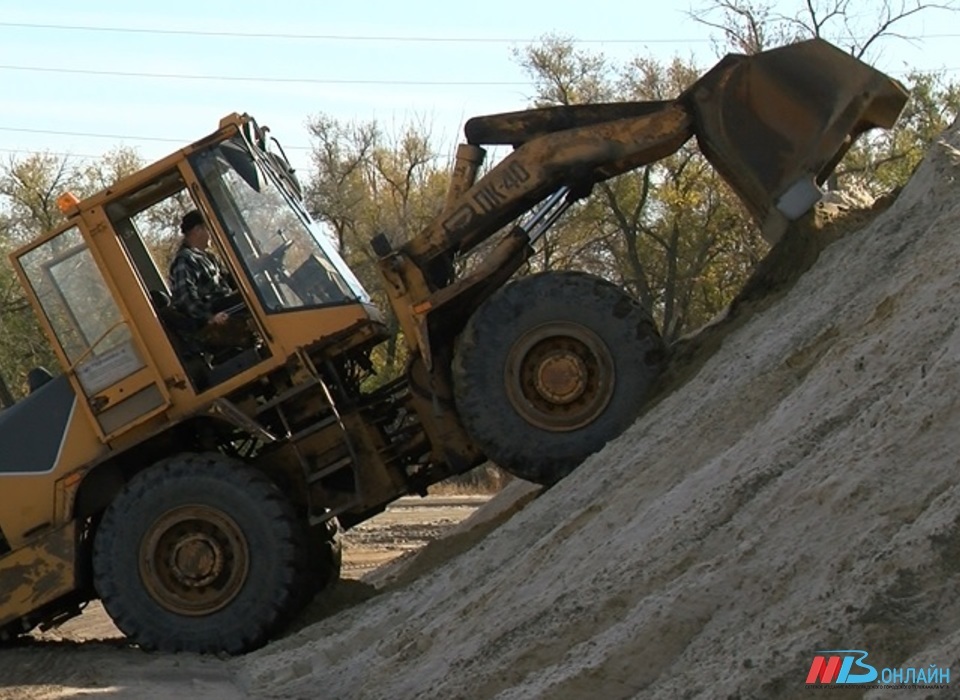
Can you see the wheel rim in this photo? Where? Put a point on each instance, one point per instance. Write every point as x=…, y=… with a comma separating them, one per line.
x=559, y=376
x=194, y=560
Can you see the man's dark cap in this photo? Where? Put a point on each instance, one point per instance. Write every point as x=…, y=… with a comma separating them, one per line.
x=191, y=220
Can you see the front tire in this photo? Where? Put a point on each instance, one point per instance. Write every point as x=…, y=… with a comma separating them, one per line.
x=198, y=553
x=552, y=367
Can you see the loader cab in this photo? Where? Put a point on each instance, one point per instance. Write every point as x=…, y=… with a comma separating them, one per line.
x=101, y=281
x=145, y=221
x=281, y=261
x=287, y=257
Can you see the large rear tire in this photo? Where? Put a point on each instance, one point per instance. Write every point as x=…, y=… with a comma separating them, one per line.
x=552, y=367
x=198, y=553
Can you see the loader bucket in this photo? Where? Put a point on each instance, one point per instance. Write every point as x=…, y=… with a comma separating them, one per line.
x=775, y=124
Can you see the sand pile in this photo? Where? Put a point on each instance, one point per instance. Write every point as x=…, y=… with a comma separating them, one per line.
x=801, y=492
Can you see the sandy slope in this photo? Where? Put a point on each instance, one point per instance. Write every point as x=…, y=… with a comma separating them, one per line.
x=800, y=493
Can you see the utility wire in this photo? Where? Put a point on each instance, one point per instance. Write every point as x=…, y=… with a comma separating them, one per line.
x=336, y=37
x=252, y=79
x=122, y=137
x=160, y=139
x=59, y=154
x=307, y=81
x=25, y=130
x=368, y=37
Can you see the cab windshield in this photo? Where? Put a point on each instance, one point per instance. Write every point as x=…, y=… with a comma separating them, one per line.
x=290, y=259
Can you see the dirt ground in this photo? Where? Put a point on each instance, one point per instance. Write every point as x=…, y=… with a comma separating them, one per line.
x=87, y=657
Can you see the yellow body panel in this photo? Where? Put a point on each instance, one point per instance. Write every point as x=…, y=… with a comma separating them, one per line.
x=38, y=572
x=29, y=499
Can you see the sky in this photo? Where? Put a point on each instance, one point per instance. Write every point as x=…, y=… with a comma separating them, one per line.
x=83, y=78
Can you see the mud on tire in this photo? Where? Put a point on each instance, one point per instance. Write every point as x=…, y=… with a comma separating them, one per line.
x=550, y=368
x=198, y=553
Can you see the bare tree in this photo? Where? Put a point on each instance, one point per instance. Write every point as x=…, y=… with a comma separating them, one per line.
x=366, y=183
x=750, y=26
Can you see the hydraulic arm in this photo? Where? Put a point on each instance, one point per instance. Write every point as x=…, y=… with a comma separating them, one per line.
x=774, y=125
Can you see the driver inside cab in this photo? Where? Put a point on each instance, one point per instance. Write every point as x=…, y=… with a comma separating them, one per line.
x=203, y=290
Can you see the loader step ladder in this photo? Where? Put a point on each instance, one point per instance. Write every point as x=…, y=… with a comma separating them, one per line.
x=314, y=473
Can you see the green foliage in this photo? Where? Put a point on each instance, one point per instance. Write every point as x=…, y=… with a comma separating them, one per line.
x=884, y=160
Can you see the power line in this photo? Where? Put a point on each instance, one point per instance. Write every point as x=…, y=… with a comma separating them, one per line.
x=71, y=154
x=121, y=137
x=370, y=37
x=335, y=37
x=84, y=134
x=160, y=139
x=310, y=81
x=60, y=154
x=252, y=79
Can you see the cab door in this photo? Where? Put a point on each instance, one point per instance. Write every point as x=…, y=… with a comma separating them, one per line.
x=98, y=347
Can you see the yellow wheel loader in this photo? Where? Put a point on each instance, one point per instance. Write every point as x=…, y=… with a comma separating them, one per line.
x=199, y=489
